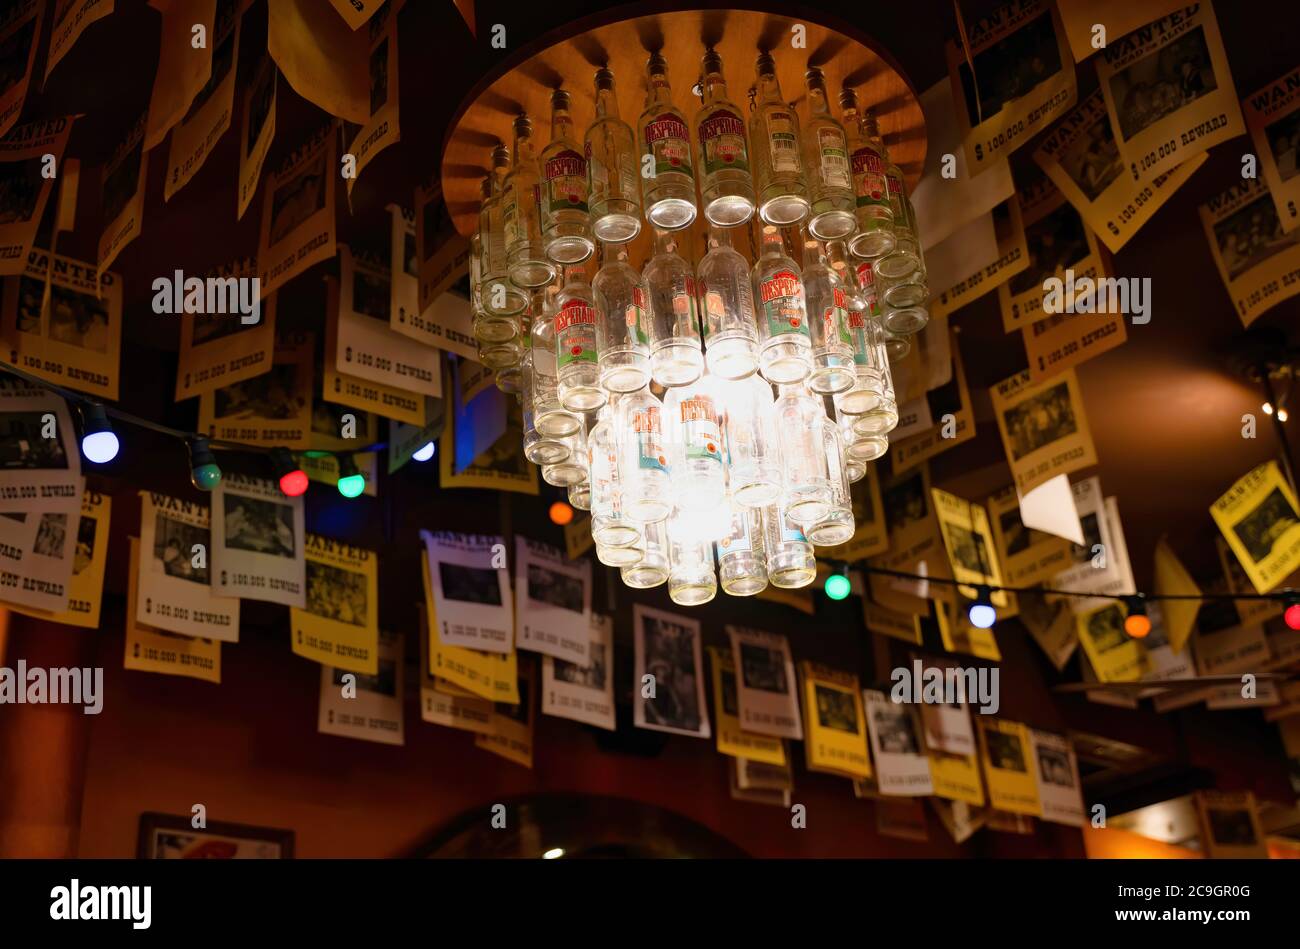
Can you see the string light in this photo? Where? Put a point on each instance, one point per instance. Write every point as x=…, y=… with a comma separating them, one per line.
x=561, y=513
x=351, y=481
x=424, y=452
x=205, y=474
x=98, y=441
x=1137, y=624
x=981, y=614
x=293, y=480
x=837, y=586
x=1292, y=613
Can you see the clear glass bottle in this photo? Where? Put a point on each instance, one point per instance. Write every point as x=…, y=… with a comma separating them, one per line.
x=667, y=181
x=874, y=235
x=828, y=323
x=580, y=496
x=742, y=565
x=577, y=360
x=897, y=346
x=726, y=184
x=805, y=477
x=538, y=448
x=566, y=220
x=876, y=375
x=552, y=419
x=476, y=258
x=613, y=194
x=826, y=166
x=572, y=468
x=841, y=261
x=726, y=299
x=676, y=350
x=522, y=214
x=905, y=256
x=836, y=526
x=501, y=298
x=778, y=165
x=692, y=579
x=610, y=527
x=750, y=441
x=652, y=569
x=785, y=349
x=621, y=323
x=647, y=484
x=790, y=560
x=694, y=431
x=867, y=390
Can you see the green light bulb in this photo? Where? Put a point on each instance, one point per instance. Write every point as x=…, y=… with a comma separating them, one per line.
x=205, y=477
x=837, y=586
x=351, y=485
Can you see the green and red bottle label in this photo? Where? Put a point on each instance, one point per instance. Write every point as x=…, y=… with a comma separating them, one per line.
x=575, y=333
x=783, y=305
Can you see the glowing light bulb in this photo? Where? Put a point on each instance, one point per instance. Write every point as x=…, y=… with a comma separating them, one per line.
x=561, y=513
x=982, y=615
x=98, y=442
x=424, y=453
x=837, y=586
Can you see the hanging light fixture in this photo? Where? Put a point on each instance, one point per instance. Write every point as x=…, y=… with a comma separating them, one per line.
x=981, y=614
x=351, y=481
x=292, y=479
x=205, y=474
x=1137, y=624
x=98, y=441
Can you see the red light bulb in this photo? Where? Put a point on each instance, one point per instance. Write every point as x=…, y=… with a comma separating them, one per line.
x=1292, y=616
x=293, y=483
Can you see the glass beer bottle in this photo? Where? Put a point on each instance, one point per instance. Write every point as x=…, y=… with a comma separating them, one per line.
x=501, y=298
x=552, y=419
x=790, y=560
x=826, y=303
x=621, y=328
x=874, y=235
x=726, y=184
x=667, y=181
x=836, y=525
x=785, y=350
x=691, y=576
x=694, y=430
x=522, y=217
x=676, y=351
x=647, y=485
x=566, y=220
x=652, y=569
x=805, y=478
x=727, y=305
x=612, y=191
x=577, y=360
x=742, y=566
x=826, y=166
x=750, y=441
x=774, y=139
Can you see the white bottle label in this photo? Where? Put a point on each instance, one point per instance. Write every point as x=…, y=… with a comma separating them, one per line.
x=784, y=141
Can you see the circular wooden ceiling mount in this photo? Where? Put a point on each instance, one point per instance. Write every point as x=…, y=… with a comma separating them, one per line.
x=568, y=60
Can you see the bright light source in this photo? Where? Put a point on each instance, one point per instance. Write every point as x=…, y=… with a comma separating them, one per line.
x=1281, y=415
x=1268, y=408
x=351, y=482
x=1292, y=615
x=423, y=454
x=553, y=854
x=561, y=513
x=837, y=586
x=982, y=615
x=98, y=443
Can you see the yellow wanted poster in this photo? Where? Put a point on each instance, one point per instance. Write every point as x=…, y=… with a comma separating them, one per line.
x=1257, y=516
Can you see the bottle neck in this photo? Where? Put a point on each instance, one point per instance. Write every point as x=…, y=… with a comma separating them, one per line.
x=769, y=90
x=665, y=242
x=523, y=148
x=715, y=87
x=606, y=103
x=719, y=236
x=658, y=91
x=561, y=125
x=817, y=104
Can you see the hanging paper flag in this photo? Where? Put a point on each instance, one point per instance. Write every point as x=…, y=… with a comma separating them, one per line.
x=209, y=113
x=1172, y=579
x=321, y=57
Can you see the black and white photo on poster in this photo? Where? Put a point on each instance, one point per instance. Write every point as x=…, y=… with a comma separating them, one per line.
x=1059, y=788
x=552, y=601
x=369, y=707
x=26, y=153
x=40, y=460
x=668, y=688
x=1272, y=116
x=765, y=683
x=37, y=557
x=471, y=590
x=257, y=548
x=175, y=592
x=583, y=693
x=298, y=228
x=902, y=767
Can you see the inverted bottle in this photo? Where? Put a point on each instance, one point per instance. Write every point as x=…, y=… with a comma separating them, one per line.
x=667, y=178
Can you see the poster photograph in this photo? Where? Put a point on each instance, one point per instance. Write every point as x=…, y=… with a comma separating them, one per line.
x=122, y=195
x=381, y=129
x=835, y=728
x=1230, y=827
x=1257, y=517
x=969, y=543
x=221, y=349
x=256, y=130
x=1258, y=261
x=510, y=733
x=915, y=543
x=89, y=558
x=1009, y=767
x=339, y=624
x=552, y=602
x=470, y=581
x=1012, y=75
x=583, y=693
x=40, y=458
x=257, y=550
x=156, y=650
x=1093, y=566
x=442, y=703
x=368, y=707
x=208, y=118
x=272, y=409
x=175, y=591
x=37, y=553
x=63, y=322
x=298, y=211
x=1169, y=91
x=1043, y=426
x=1114, y=655
x=668, y=693
x=765, y=688
x=732, y=738
x=27, y=178
x=902, y=768
x=489, y=675
x=1272, y=116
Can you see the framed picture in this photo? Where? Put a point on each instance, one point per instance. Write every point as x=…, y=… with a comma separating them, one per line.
x=173, y=837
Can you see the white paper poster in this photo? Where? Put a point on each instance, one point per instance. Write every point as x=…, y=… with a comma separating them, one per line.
x=902, y=767
x=37, y=555
x=552, y=602
x=765, y=683
x=354, y=705
x=583, y=693
x=257, y=541
x=471, y=590
x=40, y=462
x=175, y=591
x=1058, y=778
x=668, y=693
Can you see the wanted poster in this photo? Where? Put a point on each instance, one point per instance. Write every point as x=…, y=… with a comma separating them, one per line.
x=834, y=724
x=444, y=704
x=40, y=463
x=915, y=542
x=1258, y=260
x=1114, y=655
x=122, y=196
x=298, y=212
x=400, y=405
x=1059, y=789
x=958, y=635
x=71, y=17
x=405, y=440
x=1257, y=517
x=257, y=541
x=1083, y=161
x=20, y=26
x=1012, y=76
x=502, y=467
x=1051, y=624
x=1029, y=557
x=744, y=787
x=89, y=557
x=552, y=602
x=1117, y=17
x=668, y=684
x=1009, y=823
x=367, y=347
x=1043, y=426
x=357, y=12
x=1273, y=117
x=1009, y=767
x=470, y=581
x=490, y=675
x=339, y=624
x=952, y=420
x=155, y=650
x=322, y=59
x=733, y=739
x=183, y=64
x=766, y=690
x=222, y=349
x=869, y=535
x=404, y=287
x=26, y=179
x=1012, y=258
x=955, y=777
x=369, y=707
x=37, y=551
x=1063, y=341
x=1169, y=91
x=175, y=591
x=256, y=130
x=209, y=112
x=968, y=541
x=902, y=768
x=73, y=336
x=1093, y=566
x=948, y=741
x=1236, y=580
x=583, y=693
x=511, y=734
x=1229, y=822
x=443, y=259
x=1223, y=645
x=945, y=726
x=1058, y=244
x=1164, y=664
x=273, y=408
x=381, y=129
